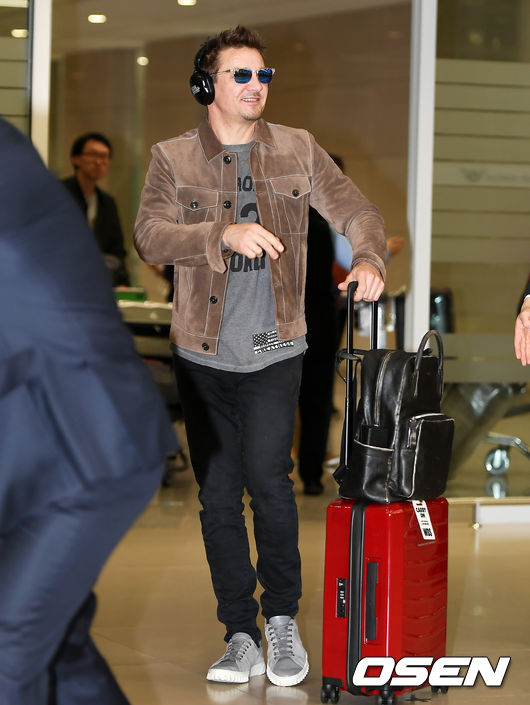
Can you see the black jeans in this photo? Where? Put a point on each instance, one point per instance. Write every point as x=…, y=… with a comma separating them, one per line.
x=240, y=429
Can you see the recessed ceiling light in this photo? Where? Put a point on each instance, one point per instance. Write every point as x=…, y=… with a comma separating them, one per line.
x=19, y=33
x=187, y=2
x=142, y=61
x=97, y=19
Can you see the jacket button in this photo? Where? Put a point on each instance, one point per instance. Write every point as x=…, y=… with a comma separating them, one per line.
x=213, y=299
x=296, y=192
x=227, y=159
x=227, y=204
x=194, y=205
x=205, y=346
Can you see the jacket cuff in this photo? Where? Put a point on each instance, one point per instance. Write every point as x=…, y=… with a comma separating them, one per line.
x=215, y=254
x=374, y=260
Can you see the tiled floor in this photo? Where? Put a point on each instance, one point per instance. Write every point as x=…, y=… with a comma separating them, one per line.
x=157, y=625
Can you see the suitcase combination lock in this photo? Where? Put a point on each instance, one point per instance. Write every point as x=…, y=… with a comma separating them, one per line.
x=342, y=586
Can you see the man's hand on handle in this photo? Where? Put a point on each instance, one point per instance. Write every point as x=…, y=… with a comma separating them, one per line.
x=371, y=283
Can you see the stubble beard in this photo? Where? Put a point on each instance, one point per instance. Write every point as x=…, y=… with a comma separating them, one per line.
x=253, y=117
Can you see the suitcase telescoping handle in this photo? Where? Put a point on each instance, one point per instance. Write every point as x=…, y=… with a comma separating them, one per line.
x=351, y=369
x=352, y=288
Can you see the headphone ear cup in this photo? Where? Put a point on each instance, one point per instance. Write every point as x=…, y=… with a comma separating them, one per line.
x=201, y=86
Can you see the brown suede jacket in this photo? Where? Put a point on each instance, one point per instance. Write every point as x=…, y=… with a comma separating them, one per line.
x=190, y=196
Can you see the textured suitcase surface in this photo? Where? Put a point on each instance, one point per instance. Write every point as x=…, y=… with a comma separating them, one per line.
x=385, y=589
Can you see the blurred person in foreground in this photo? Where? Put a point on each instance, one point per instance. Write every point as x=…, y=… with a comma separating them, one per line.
x=227, y=204
x=90, y=155
x=83, y=437
x=521, y=340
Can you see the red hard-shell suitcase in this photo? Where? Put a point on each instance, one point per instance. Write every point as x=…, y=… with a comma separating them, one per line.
x=385, y=590
x=385, y=580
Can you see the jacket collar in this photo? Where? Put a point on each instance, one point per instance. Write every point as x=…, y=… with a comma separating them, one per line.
x=212, y=147
x=77, y=188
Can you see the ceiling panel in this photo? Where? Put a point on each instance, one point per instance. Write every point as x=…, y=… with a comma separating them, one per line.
x=132, y=23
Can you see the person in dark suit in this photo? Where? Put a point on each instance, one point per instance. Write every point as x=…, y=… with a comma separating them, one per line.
x=315, y=402
x=90, y=155
x=83, y=437
x=521, y=339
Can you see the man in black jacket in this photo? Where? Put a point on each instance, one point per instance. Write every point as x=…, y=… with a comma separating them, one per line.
x=90, y=155
x=316, y=388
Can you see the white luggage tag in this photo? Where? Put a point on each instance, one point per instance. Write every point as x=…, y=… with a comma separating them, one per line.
x=424, y=520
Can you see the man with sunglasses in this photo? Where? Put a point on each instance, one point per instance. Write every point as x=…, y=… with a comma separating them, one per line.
x=227, y=204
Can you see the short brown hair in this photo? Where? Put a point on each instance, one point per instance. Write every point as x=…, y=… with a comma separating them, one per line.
x=229, y=38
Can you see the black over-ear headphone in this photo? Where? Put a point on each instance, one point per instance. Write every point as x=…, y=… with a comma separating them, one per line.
x=201, y=83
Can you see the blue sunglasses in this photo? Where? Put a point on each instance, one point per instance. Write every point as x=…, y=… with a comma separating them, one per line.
x=244, y=75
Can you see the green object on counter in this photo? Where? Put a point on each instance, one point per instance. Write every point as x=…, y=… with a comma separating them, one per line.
x=130, y=293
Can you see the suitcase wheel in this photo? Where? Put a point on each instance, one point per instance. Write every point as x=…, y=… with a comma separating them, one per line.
x=386, y=696
x=442, y=688
x=329, y=693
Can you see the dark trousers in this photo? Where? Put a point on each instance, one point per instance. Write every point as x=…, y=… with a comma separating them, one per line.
x=240, y=428
x=316, y=389
x=48, y=565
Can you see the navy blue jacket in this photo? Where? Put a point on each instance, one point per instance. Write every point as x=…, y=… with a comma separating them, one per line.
x=77, y=405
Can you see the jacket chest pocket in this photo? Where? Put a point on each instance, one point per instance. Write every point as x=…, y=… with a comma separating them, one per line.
x=291, y=196
x=196, y=204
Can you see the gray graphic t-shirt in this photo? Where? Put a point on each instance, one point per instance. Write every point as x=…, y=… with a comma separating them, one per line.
x=248, y=339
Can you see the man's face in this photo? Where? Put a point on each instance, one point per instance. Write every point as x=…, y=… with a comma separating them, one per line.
x=239, y=101
x=93, y=162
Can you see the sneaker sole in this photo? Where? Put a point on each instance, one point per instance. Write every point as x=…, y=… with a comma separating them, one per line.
x=288, y=680
x=221, y=675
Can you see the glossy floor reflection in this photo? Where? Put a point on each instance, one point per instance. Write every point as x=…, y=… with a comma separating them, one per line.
x=157, y=626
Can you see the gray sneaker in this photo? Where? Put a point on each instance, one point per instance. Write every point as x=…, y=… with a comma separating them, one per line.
x=242, y=660
x=287, y=662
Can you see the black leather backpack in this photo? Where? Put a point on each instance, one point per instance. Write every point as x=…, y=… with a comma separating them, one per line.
x=397, y=443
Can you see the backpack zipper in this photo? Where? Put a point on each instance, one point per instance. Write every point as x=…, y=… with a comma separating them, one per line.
x=415, y=423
